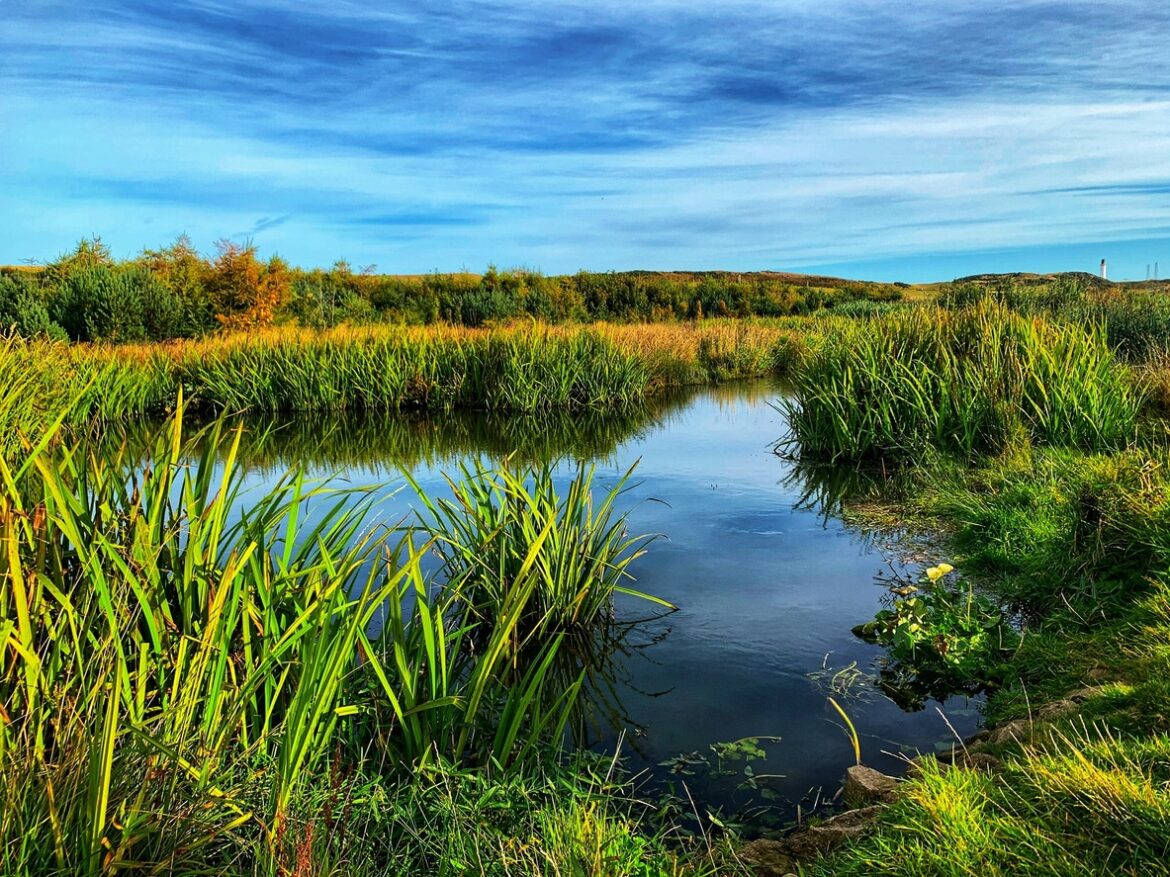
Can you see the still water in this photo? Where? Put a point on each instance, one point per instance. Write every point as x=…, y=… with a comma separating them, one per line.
x=767, y=581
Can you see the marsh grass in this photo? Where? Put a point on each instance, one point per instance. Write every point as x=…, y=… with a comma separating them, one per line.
x=484, y=536
x=971, y=381
x=181, y=669
x=524, y=369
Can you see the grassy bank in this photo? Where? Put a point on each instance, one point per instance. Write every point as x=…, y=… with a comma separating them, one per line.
x=1018, y=438
x=1077, y=543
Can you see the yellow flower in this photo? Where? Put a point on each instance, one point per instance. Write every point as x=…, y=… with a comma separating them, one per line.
x=937, y=572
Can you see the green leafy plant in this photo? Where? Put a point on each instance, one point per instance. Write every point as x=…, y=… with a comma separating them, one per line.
x=940, y=636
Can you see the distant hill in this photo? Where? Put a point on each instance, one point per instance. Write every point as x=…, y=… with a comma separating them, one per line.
x=1027, y=279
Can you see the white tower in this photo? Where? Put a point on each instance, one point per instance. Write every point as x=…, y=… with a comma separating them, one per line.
x=1104, y=274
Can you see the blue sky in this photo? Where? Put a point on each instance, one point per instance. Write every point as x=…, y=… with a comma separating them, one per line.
x=900, y=141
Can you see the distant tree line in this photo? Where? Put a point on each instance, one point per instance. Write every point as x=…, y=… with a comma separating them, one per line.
x=176, y=292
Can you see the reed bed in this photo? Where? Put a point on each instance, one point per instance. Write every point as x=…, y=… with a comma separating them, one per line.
x=715, y=350
x=181, y=668
x=522, y=369
x=968, y=381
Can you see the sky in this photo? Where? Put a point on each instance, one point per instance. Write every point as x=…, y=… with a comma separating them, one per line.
x=908, y=141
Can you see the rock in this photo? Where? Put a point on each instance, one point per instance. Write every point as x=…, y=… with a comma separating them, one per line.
x=973, y=761
x=767, y=858
x=1083, y=694
x=979, y=761
x=946, y=756
x=1018, y=730
x=864, y=785
x=815, y=840
x=915, y=769
x=1056, y=709
x=977, y=737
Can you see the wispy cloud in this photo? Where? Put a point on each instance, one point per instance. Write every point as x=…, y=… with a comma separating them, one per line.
x=586, y=134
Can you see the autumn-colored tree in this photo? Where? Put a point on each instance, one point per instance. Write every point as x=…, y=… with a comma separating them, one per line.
x=246, y=292
x=179, y=266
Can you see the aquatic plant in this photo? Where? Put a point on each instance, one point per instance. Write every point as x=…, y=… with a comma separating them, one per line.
x=940, y=638
x=500, y=525
x=970, y=381
x=180, y=668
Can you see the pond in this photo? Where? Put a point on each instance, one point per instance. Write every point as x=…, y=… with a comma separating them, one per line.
x=767, y=580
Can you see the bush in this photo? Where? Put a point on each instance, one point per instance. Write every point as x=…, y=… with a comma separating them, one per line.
x=323, y=299
x=23, y=311
x=100, y=303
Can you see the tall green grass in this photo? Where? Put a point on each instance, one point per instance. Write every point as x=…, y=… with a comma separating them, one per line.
x=968, y=381
x=44, y=382
x=385, y=370
x=501, y=371
x=485, y=536
x=182, y=666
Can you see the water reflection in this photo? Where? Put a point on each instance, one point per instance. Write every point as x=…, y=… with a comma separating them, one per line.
x=376, y=440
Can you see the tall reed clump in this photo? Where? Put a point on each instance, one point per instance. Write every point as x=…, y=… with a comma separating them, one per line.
x=32, y=393
x=44, y=382
x=181, y=668
x=968, y=381
x=711, y=351
x=497, y=521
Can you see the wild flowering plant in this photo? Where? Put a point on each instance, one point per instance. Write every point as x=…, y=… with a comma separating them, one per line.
x=941, y=636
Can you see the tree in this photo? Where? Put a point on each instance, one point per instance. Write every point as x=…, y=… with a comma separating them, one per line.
x=100, y=303
x=23, y=310
x=184, y=272
x=245, y=292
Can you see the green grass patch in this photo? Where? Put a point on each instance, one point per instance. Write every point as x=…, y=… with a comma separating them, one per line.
x=971, y=381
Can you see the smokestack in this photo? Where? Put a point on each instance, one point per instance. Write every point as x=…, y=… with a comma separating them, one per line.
x=1104, y=273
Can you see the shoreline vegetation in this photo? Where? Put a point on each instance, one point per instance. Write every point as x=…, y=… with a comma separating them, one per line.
x=183, y=690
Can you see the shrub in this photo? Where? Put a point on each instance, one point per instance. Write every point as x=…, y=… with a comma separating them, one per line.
x=23, y=311
x=100, y=303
